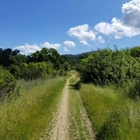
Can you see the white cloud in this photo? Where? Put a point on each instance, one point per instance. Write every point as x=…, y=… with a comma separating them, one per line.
x=100, y=39
x=70, y=44
x=131, y=13
x=28, y=49
x=83, y=33
x=65, y=49
x=48, y=45
x=128, y=26
x=85, y=43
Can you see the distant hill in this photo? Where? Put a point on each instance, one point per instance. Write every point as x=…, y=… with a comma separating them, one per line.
x=78, y=55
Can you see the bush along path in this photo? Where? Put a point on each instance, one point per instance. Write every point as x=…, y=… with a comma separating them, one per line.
x=70, y=120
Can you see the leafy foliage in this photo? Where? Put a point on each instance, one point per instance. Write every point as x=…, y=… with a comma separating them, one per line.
x=36, y=70
x=118, y=67
x=41, y=64
x=7, y=82
x=102, y=67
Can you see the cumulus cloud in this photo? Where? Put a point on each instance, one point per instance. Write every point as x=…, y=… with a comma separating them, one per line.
x=100, y=39
x=28, y=49
x=70, y=44
x=83, y=33
x=128, y=26
x=131, y=13
x=48, y=45
x=116, y=29
x=65, y=49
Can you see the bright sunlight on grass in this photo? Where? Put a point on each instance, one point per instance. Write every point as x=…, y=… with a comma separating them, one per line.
x=114, y=117
x=29, y=115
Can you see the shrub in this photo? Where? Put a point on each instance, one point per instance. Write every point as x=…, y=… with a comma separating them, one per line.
x=7, y=83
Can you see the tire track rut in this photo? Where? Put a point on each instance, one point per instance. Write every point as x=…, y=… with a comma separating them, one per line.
x=60, y=126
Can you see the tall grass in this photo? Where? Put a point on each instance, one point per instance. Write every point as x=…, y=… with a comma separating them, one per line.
x=27, y=117
x=114, y=117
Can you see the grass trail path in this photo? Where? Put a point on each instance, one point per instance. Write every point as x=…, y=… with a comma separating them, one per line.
x=60, y=127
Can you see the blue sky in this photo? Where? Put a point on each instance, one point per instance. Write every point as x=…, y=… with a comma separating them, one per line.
x=69, y=26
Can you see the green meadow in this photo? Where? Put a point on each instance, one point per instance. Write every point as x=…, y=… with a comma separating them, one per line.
x=113, y=116
x=28, y=116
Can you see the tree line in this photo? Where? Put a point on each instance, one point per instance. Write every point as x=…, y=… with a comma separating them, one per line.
x=120, y=68
x=41, y=64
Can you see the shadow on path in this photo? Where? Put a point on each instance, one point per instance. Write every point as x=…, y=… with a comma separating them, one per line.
x=76, y=86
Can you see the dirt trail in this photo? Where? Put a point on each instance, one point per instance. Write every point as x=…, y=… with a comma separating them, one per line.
x=59, y=128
